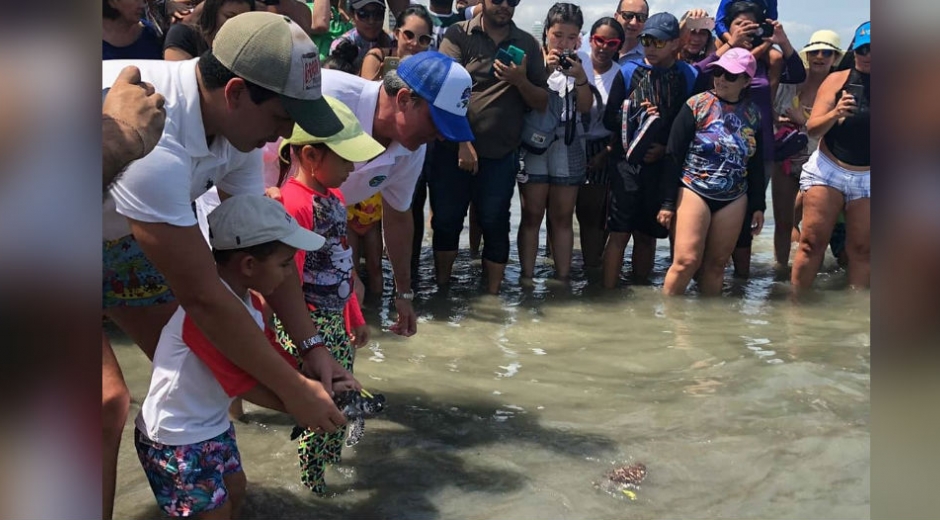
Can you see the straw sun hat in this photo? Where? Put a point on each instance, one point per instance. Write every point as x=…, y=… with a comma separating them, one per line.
x=823, y=40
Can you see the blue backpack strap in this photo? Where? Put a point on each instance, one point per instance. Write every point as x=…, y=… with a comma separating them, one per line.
x=691, y=74
x=627, y=70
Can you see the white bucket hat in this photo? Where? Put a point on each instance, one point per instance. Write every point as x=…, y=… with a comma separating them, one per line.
x=823, y=40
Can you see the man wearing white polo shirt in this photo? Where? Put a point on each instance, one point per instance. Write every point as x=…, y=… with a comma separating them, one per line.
x=262, y=75
x=425, y=99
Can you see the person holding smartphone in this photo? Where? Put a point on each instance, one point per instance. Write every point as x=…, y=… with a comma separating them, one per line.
x=698, y=38
x=838, y=174
x=744, y=19
x=413, y=34
x=484, y=170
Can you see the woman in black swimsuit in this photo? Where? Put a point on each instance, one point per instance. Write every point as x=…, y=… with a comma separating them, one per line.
x=715, y=156
x=838, y=175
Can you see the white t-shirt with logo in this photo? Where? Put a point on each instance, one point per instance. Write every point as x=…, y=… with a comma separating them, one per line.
x=395, y=172
x=161, y=186
x=603, y=83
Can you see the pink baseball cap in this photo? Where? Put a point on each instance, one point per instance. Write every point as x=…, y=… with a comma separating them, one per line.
x=736, y=61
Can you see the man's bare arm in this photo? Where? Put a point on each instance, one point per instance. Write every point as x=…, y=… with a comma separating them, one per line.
x=181, y=255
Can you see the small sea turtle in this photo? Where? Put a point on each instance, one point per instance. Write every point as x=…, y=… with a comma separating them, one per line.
x=623, y=481
x=356, y=407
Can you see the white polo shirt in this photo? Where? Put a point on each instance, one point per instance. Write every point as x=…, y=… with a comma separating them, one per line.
x=396, y=171
x=162, y=186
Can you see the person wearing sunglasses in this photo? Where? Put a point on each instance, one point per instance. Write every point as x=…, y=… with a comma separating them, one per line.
x=368, y=17
x=632, y=15
x=657, y=85
x=774, y=67
x=484, y=171
x=838, y=174
x=715, y=164
x=792, y=107
x=413, y=35
x=606, y=38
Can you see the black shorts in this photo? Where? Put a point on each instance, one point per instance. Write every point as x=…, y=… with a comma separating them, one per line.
x=635, y=199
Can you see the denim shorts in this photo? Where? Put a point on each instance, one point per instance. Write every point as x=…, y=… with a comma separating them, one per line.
x=820, y=170
x=560, y=165
x=189, y=479
x=128, y=278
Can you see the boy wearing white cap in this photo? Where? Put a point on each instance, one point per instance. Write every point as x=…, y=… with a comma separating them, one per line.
x=184, y=438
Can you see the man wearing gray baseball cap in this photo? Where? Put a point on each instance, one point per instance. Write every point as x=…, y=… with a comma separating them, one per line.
x=261, y=76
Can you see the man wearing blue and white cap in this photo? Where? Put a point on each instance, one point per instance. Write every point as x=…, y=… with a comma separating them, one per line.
x=425, y=99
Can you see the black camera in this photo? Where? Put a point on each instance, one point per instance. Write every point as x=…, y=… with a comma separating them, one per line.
x=564, y=61
x=764, y=30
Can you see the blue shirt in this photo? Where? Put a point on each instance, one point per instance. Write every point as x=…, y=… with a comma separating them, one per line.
x=149, y=46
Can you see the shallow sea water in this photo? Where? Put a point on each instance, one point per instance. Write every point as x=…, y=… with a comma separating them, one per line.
x=745, y=406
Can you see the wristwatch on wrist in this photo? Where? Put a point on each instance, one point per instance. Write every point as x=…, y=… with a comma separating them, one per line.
x=409, y=295
x=311, y=343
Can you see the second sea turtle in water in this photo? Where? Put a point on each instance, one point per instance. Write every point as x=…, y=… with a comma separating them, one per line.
x=623, y=481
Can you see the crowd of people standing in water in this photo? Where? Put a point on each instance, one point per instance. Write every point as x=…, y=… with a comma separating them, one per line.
x=245, y=181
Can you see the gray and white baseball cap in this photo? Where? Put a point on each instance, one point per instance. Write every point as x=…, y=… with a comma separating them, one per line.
x=273, y=52
x=249, y=220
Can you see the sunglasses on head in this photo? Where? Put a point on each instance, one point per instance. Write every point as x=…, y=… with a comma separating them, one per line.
x=630, y=15
x=424, y=39
x=649, y=41
x=370, y=14
x=512, y=3
x=826, y=53
x=600, y=41
x=718, y=72
x=864, y=50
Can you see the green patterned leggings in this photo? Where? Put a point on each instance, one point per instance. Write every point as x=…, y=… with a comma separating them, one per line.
x=318, y=450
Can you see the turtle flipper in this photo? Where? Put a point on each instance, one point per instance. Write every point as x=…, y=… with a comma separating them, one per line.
x=356, y=428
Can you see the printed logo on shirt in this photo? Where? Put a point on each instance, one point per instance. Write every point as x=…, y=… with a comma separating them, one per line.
x=378, y=179
x=464, y=99
x=311, y=64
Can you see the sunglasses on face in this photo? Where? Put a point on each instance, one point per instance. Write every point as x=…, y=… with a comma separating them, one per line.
x=424, y=39
x=718, y=72
x=864, y=50
x=649, y=41
x=826, y=53
x=629, y=16
x=370, y=14
x=600, y=41
x=511, y=3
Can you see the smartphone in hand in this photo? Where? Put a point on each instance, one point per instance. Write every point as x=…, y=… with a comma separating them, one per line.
x=511, y=54
x=857, y=91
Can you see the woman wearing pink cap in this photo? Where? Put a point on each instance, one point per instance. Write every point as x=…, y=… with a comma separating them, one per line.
x=715, y=154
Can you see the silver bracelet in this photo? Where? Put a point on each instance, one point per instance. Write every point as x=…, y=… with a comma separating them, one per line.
x=311, y=343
